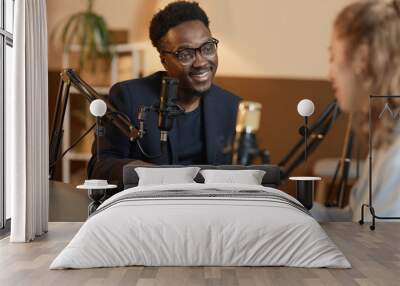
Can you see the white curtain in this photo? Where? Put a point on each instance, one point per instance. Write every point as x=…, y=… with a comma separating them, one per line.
x=27, y=124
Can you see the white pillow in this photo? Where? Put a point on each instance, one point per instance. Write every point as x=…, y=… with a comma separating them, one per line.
x=248, y=177
x=164, y=176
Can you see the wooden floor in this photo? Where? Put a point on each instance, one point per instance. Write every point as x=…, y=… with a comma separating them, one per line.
x=375, y=257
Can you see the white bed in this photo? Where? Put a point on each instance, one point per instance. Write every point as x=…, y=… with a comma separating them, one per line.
x=239, y=229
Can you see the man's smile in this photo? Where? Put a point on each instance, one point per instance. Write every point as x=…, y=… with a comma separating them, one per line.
x=201, y=75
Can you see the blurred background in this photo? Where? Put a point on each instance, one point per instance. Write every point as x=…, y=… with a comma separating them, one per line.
x=273, y=52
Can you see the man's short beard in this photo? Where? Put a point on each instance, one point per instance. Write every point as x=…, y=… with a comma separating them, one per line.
x=188, y=92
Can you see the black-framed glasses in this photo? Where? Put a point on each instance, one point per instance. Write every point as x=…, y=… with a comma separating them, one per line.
x=187, y=56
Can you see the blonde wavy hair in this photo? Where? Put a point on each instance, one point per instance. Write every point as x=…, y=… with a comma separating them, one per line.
x=375, y=25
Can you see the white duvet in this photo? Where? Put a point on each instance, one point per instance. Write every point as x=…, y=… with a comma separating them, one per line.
x=200, y=231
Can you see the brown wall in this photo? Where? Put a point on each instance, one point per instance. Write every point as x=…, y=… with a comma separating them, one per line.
x=264, y=38
x=280, y=120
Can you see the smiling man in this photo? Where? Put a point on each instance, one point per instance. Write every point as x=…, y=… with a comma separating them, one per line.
x=180, y=33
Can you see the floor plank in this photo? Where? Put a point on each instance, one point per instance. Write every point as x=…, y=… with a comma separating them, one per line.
x=374, y=255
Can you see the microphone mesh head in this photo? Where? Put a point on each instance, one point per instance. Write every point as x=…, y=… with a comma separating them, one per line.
x=248, y=118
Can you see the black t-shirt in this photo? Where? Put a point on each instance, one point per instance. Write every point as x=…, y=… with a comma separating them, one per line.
x=191, y=146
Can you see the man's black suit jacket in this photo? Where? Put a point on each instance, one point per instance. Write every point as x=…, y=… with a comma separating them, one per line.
x=219, y=113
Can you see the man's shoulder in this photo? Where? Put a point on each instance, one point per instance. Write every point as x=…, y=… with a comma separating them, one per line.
x=148, y=81
x=224, y=94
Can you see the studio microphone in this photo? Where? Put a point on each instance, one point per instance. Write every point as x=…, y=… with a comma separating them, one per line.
x=245, y=147
x=168, y=107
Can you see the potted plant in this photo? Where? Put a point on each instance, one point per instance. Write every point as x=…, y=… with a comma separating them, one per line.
x=89, y=32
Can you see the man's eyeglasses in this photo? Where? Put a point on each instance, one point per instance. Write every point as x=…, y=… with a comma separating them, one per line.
x=187, y=56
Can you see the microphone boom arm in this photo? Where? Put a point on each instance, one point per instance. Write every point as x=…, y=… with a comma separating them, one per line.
x=114, y=116
x=322, y=126
x=69, y=77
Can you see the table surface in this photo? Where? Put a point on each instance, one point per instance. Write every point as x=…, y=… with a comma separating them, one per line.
x=86, y=187
x=305, y=178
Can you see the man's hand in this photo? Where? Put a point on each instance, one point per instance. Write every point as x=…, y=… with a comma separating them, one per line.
x=139, y=162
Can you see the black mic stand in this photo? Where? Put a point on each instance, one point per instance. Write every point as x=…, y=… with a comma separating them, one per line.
x=167, y=110
x=100, y=132
x=317, y=132
x=244, y=146
x=68, y=78
x=305, y=137
x=248, y=150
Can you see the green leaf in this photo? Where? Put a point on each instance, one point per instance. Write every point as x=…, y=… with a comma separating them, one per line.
x=92, y=44
x=67, y=26
x=103, y=34
x=83, y=41
x=73, y=33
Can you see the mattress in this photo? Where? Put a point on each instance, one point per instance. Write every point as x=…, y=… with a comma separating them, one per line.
x=201, y=225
